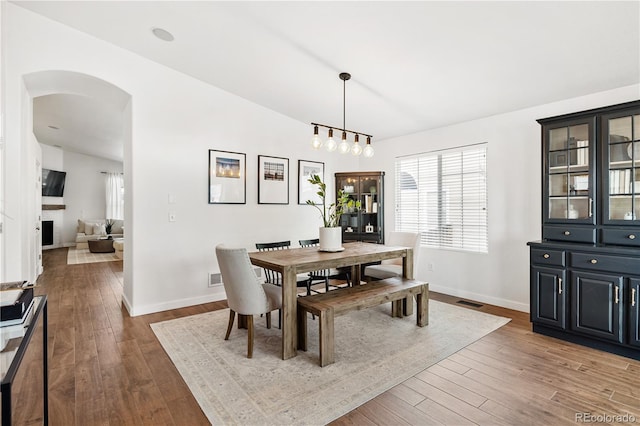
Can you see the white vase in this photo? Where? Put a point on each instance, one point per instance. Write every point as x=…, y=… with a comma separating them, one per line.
x=331, y=238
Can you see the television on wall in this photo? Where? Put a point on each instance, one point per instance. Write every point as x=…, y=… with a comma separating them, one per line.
x=53, y=183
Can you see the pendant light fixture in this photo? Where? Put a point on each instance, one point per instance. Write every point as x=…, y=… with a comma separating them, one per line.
x=344, y=147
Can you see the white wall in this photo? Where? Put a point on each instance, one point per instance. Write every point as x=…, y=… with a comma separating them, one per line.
x=501, y=276
x=175, y=120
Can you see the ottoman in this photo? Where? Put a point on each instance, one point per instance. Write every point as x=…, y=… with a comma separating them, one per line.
x=100, y=246
x=118, y=245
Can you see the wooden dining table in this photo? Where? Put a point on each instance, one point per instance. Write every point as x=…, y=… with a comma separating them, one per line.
x=292, y=262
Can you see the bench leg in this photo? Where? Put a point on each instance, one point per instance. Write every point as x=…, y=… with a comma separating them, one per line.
x=327, y=344
x=302, y=329
x=422, y=317
x=407, y=306
x=396, y=308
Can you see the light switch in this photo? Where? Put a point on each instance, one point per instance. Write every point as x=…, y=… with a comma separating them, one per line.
x=171, y=198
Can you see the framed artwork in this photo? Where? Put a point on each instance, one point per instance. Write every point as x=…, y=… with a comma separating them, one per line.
x=227, y=177
x=273, y=180
x=307, y=191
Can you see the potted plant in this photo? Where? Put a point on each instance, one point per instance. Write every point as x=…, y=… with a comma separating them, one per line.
x=331, y=231
x=107, y=226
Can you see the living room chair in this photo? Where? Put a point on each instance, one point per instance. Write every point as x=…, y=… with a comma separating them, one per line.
x=393, y=267
x=325, y=275
x=246, y=295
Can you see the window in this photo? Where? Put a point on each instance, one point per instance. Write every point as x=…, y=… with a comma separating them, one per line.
x=443, y=195
x=114, y=191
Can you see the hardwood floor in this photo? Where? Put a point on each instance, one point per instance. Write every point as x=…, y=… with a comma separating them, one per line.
x=106, y=368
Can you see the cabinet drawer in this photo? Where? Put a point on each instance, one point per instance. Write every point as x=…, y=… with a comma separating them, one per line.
x=621, y=237
x=569, y=233
x=600, y=262
x=547, y=257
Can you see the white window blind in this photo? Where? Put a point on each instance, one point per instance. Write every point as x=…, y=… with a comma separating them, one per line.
x=443, y=195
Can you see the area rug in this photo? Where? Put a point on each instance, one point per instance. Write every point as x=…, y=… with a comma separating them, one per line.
x=374, y=352
x=75, y=256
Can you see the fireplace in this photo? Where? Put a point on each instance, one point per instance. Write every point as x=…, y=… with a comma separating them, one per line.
x=47, y=232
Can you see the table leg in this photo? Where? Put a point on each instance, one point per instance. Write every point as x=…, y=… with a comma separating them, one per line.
x=355, y=275
x=407, y=272
x=45, y=364
x=289, y=313
x=422, y=317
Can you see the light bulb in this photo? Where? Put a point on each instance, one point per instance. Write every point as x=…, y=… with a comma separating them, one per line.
x=356, y=149
x=316, y=142
x=344, y=146
x=368, y=149
x=331, y=144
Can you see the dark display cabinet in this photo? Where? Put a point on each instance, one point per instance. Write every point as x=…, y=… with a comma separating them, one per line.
x=585, y=273
x=365, y=223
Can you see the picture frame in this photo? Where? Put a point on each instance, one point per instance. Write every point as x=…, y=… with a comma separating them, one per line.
x=307, y=191
x=273, y=180
x=227, y=177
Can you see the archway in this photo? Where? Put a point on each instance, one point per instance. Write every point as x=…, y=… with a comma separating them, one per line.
x=73, y=85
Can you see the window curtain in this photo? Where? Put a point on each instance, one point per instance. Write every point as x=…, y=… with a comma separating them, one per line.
x=115, y=196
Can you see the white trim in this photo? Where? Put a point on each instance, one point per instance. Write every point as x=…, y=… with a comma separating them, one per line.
x=504, y=303
x=216, y=295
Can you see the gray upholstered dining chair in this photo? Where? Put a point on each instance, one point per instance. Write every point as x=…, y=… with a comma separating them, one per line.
x=326, y=275
x=246, y=294
x=393, y=267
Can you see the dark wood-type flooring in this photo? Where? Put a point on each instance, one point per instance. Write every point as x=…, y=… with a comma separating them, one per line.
x=106, y=368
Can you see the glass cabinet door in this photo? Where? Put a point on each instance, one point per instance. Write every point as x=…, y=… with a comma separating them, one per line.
x=369, y=190
x=569, y=173
x=621, y=140
x=350, y=220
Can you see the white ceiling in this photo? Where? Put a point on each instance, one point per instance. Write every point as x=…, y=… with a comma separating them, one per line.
x=414, y=65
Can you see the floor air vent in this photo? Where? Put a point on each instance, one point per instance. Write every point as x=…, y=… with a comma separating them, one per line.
x=464, y=302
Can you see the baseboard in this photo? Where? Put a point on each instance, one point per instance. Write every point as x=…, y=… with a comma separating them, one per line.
x=126, y=304
x=509, y=304
x=216, y=295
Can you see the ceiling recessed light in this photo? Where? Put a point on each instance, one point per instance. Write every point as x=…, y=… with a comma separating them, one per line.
x=162, y=34
x=53, y=127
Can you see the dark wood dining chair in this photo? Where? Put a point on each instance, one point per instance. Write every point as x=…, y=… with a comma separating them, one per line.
x=326, y=275
x=274, y=277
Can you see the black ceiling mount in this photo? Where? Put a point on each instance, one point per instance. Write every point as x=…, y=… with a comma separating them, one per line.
x=345, y=76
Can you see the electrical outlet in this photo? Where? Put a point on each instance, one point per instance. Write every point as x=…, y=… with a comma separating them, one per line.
x=172, y=217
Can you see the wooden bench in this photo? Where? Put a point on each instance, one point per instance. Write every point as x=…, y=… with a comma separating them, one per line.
x=337, y=302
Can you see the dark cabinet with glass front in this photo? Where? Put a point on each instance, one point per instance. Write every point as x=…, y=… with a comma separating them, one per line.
x=569, y=176
x=364, y=223
x=585, y=273
x=621, y=169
